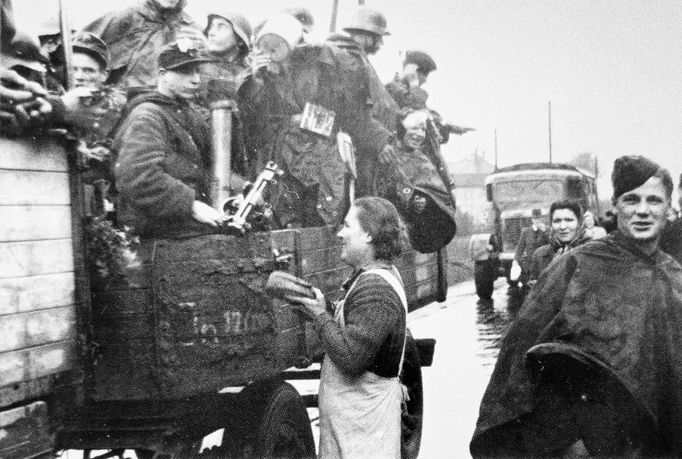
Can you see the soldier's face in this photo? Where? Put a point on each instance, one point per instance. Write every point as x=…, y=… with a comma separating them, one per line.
x=183, y=81
x=564, y=225
x=370, y=43
x=642, y=212
x=221, y=37
x=87, y=72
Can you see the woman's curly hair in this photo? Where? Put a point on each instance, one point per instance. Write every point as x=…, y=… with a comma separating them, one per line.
x=380, y=219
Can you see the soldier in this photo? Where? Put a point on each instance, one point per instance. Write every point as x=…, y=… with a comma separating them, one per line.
x=136, y=35
x=671, y=239
x=408, y=92
x=164, y=148
x=229, y=43
x=413, y=184
x=366, y=33
x=293, y=106
x=90, y=68
x=24, y=104
x=591, y=366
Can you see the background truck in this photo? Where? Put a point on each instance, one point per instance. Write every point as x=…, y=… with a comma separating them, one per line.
x=181, y=345
x=512, y=193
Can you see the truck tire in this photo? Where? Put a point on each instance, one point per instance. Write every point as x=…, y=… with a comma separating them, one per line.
x=281, y=425
x=485, y=273
x=412, y=423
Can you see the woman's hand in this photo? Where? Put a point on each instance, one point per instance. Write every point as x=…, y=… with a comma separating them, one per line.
x=311, y=307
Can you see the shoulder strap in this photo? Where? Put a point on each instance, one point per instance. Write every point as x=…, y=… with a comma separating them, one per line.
x=396, y=282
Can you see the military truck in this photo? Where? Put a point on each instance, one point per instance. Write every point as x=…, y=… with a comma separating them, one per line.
x=512, y=193
x=183, y=344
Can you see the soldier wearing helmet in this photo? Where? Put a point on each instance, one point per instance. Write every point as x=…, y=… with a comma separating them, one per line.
x=368, y=28
x=228, y=42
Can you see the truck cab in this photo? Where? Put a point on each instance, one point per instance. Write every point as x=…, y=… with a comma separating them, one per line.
x=512, y=193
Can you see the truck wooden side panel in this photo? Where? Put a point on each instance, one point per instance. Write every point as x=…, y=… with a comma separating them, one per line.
x=38, y=301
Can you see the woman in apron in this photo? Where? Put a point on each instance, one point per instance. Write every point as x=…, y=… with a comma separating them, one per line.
x=364, y=339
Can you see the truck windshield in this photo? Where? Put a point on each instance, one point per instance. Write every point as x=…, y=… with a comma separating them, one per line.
x=527, y=194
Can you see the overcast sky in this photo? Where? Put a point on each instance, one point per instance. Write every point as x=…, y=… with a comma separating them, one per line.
x=611, y=68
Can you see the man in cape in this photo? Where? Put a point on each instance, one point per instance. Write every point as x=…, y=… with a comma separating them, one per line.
x=593, y=363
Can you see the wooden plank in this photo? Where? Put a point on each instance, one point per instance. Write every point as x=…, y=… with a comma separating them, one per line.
x=318, y=237
x=21, y=259
x=36, y=362
x=32, y=223
x=25, y=188
x=32, y=329
x=26, y=431
x=38, y=154
x=321, y=259
x=33, y=293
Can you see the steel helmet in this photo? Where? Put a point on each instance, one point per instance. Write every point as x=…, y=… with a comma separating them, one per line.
x=241, y=26
x=368, y=20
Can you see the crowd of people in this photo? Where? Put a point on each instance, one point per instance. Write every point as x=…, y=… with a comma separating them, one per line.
x=134, y=95
x=590, y=366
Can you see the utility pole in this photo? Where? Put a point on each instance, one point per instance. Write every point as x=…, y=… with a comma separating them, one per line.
x=495, y=149
x=335, y=10
x=549, y=112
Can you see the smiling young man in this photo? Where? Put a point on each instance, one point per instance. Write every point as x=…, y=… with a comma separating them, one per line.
x=592, y=364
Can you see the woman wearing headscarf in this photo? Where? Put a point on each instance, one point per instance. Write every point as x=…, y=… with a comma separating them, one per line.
x=566, y=232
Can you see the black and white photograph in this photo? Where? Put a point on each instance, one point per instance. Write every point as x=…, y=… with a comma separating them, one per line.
x=340, y=229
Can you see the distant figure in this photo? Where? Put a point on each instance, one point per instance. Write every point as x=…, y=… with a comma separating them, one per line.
x=671, y=239
x=136, y=35
x=592, y=365
x=566, y=233
x=592, y=231
x=608, y=222
x=531, y=238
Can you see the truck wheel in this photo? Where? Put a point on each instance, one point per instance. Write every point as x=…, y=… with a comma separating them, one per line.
x=485, y=274
x=282, y=425
x=411, y=377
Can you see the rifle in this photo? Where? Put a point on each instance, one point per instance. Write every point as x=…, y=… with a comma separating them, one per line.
x=433, y=151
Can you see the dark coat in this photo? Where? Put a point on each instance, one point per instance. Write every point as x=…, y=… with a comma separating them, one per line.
x=312, y=188
x=613, y=316
x=163, y=150
x=135, y=37
x=414, y=171
x=529, y=241
x=671, y=239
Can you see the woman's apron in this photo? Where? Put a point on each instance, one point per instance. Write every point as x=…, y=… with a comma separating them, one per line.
x=360, y=415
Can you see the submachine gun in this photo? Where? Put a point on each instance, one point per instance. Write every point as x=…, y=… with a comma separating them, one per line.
x=433, y=151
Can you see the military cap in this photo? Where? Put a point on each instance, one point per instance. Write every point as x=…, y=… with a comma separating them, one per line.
x=180, y=53
x=630, y=172
x=425, y=64
x=93, y=46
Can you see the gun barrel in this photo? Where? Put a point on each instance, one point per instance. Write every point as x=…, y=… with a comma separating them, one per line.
x=220, y=94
